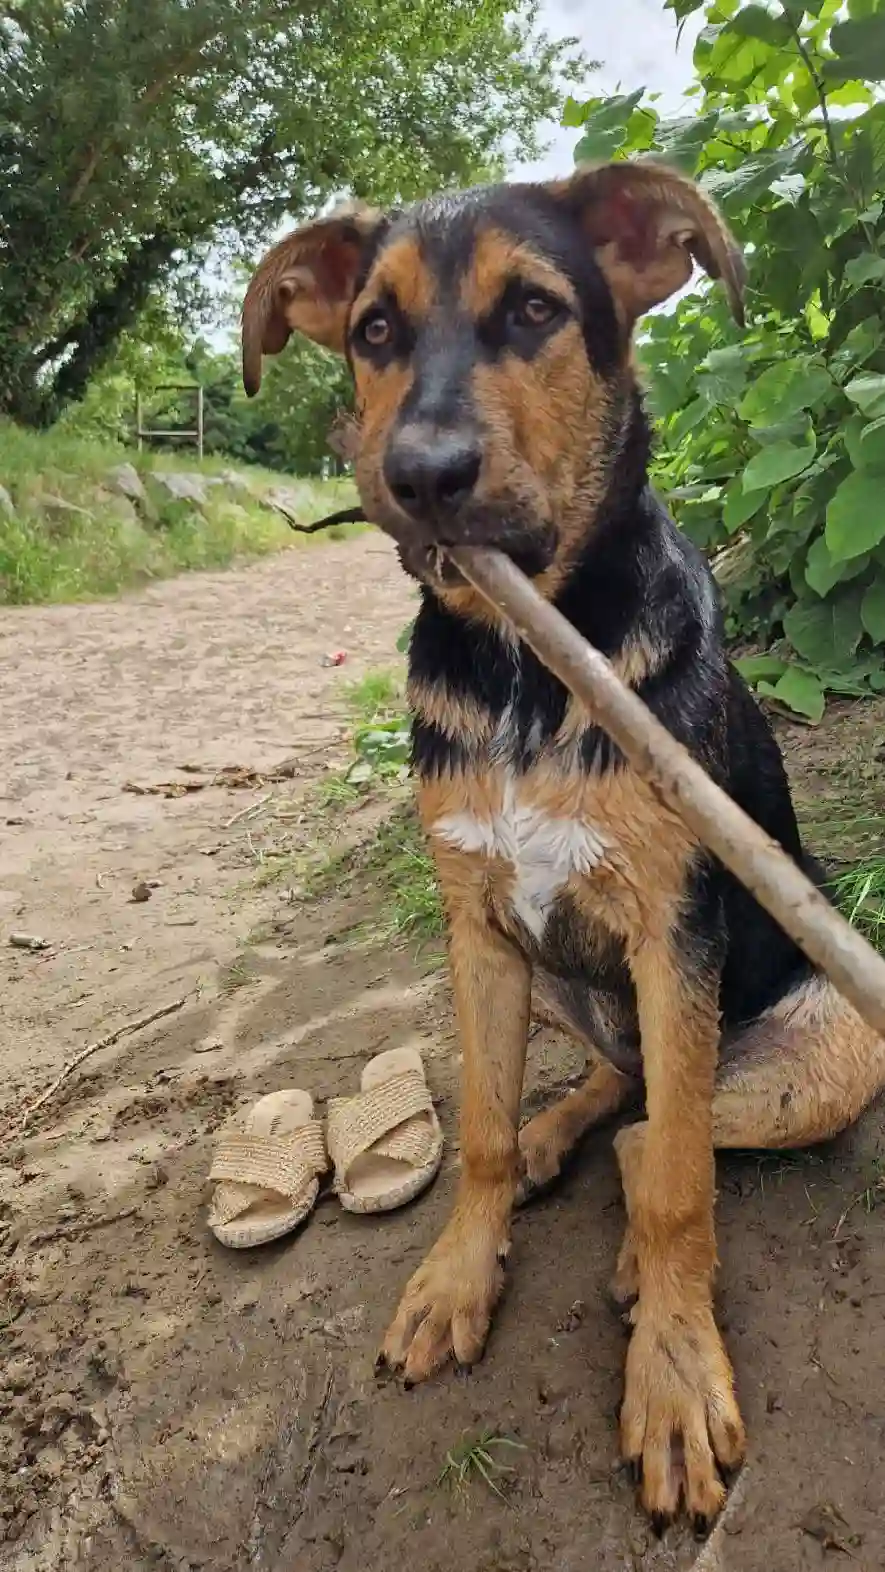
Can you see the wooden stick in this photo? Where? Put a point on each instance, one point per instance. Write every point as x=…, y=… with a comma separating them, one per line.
x=760, y=864
x=86, y=1053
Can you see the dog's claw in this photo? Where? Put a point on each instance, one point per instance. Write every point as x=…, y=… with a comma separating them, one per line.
x=659, y=1522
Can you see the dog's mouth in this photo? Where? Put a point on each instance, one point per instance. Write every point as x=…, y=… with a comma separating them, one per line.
x=424, y=553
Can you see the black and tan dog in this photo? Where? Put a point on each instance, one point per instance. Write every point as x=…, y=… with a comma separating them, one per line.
x=489, y=335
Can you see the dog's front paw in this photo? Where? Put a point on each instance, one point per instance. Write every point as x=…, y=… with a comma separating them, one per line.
x=447, y=1307
x=680, y=1422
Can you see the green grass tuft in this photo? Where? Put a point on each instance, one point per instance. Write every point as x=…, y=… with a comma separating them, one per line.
x=473, y=1460
x=860, y=896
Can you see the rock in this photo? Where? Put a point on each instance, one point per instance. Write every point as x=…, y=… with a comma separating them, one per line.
x=6, y=503
x=185, y=488
x=237, y=482
x=293, y=502
x=141, y=891
x=126, y=479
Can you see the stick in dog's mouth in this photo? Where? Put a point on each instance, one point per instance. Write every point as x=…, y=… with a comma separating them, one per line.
x=751, y=855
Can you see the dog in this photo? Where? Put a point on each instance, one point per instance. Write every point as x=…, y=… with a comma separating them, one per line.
x=489, y=334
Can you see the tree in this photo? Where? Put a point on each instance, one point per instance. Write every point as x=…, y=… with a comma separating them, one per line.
x=772, y=440
x=135, y=134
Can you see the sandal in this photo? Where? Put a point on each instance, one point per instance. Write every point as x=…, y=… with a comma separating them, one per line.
x=267, y=1175
x=385, y=1143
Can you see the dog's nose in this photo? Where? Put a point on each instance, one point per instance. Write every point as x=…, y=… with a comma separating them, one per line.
x=432, y=472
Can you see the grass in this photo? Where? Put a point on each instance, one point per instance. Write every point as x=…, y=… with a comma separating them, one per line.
x=473, y=1461
x=860, y=895
x=70, y=538
x=374, y=698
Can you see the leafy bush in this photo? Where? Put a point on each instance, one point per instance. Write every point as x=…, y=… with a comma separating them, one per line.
x=772, y=439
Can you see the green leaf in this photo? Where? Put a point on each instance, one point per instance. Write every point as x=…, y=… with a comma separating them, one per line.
x=821, y=572
x=865, y=269
x=824, y=632
x=754, y=21
x=739, y=188
x=856, y=516
x=800, y=691
x=860, y=47
x=865, y=443
x=610, y=114
x=868, y=393
x=405, y=638
x=872, y=611
x=682, y=141
x=779, y=462
x=740, y=505
x=759, y=668
x=573, y=113
x=784, y=389
x=598, y=146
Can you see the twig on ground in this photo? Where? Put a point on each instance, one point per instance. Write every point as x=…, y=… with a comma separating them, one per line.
x=78, y=1230
x=91, y=1048
x=245, y=813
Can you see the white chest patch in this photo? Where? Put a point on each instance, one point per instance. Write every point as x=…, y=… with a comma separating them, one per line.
x=544, y=852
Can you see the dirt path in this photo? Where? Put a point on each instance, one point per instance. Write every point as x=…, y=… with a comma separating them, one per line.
x=166, y=1404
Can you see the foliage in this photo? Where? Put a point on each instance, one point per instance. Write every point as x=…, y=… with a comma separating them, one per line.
x=134, y=138
x=772, y=439
x=67, y=535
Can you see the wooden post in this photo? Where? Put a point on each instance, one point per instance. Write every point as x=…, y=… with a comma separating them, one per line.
x=200, y=421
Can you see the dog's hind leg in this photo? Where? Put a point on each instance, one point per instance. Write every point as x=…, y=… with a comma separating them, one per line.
x=802, y=1072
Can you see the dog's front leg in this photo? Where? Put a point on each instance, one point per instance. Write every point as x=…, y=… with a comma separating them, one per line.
x=680, y=1421
x=447, y=1307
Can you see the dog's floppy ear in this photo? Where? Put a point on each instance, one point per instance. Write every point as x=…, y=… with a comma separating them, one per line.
x=648, y=225
x=305, y=284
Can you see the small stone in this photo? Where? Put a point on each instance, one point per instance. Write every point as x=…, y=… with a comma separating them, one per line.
x=209, y=1045
x=126, y=479
x=142, y=891
x=29, y=941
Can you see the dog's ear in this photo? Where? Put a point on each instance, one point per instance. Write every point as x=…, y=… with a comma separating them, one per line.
x=305, y=284
x=648, y=225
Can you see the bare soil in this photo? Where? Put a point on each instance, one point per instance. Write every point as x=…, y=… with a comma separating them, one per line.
x=167, y=1404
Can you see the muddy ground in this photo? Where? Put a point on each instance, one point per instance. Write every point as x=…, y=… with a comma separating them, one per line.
x=166, y=1404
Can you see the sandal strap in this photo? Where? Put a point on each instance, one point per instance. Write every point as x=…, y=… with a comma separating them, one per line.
x=284, y=1164
x=375, y=1120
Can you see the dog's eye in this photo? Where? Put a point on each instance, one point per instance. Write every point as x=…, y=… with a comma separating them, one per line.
x=535, y=311
x=375, y=329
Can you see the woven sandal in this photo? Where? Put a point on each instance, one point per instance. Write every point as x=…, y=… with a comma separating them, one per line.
x=266, y=1176
x=385, y=1143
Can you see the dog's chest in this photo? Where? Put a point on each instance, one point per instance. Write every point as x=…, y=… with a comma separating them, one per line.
x=538, y=844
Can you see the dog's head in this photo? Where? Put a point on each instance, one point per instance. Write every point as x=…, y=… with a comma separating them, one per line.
x=489, y=335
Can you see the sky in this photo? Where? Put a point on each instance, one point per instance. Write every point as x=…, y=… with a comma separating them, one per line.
x=636, y=42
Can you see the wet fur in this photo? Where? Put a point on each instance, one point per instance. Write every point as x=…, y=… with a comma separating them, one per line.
x=565, y=879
